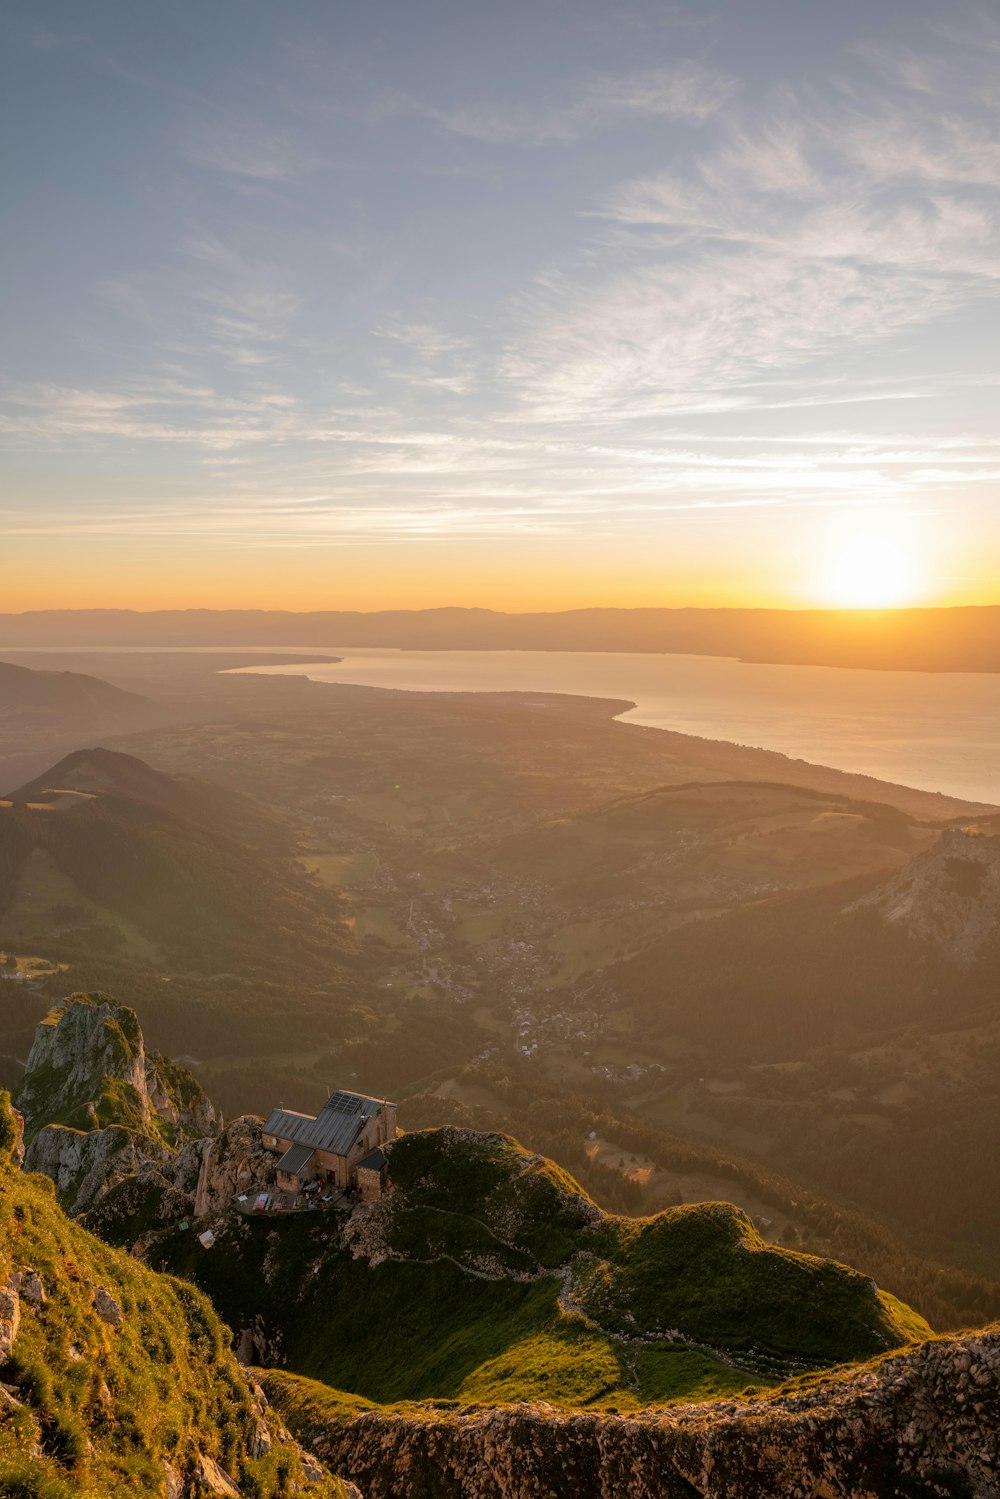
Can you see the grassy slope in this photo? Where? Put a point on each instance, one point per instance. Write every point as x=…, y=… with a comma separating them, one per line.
x=460, y=1292
x=101, y=1407
x=406, y=1332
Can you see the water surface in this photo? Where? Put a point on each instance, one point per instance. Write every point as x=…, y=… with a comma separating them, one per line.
x=938, y=731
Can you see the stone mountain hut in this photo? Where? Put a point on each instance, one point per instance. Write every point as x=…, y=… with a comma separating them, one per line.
x=342, y=1144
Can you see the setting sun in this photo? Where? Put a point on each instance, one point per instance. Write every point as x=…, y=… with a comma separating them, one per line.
x=870, y=570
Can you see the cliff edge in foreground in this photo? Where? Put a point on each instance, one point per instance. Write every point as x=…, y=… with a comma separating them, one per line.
x=920, y=1424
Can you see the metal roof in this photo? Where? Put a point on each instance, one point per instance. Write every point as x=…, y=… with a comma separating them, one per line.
x=294, y=1158
x=335, y=1128
x=373, y=1161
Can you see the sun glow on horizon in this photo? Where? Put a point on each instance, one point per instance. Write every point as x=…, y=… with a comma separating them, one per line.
x=871, y=567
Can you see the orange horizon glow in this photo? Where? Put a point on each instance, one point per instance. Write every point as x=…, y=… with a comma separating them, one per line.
x=855, y=560
x=505, y=595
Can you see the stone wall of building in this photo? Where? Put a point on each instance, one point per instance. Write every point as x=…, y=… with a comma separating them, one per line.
x=369, y=1184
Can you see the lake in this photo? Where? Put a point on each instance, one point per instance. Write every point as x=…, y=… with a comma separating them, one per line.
x=938, y=731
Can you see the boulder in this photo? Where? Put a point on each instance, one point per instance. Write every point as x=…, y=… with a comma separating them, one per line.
x=107, y=1308
x=30, y=1286
x=211, y=1479
x=10, y=1318
x=173, y=1483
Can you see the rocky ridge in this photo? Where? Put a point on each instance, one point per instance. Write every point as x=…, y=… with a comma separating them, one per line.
x=920, y=1424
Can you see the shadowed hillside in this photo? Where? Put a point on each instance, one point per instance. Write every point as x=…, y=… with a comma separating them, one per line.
x=854, y=1030
x=104, y=845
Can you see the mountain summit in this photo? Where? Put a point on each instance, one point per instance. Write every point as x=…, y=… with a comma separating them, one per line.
x=99, y=1109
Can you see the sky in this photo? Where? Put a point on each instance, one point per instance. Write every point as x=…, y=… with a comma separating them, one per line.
x=535, y=305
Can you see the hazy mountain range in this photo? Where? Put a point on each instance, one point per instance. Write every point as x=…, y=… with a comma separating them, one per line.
x=953, y=639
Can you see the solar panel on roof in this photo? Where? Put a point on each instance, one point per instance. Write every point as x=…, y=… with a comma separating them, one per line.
x=347, y=1103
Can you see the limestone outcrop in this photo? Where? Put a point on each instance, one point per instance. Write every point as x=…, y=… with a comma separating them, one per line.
x=79, y=1049
x=86, y=1164
x=99, y=1110
x=88, y=1067
x=923, y=1422
x=948, y=896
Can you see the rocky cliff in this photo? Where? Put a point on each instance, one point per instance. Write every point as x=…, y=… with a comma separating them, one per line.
x=234, y=1163
x=87, y=1060
x=948, y=896
x=201, y=1180
x=88, y=1067
x=100, y=1110
x=920, y=1424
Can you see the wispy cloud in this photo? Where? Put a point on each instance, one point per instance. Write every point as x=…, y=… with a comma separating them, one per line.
x=244, y=147
x=428, y=355
x=683, y=334
x=685, y=92
x=816, y=229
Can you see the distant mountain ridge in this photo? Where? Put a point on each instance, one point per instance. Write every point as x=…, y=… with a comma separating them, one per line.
x=38, y=692
x=717, y=843
x=942, y=639
x=104, y=842
x=45, y=713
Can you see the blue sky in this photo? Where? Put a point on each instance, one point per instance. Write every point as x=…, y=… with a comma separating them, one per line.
x=398, y=302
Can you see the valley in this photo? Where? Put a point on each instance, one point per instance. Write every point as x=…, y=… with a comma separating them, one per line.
x=431, y=894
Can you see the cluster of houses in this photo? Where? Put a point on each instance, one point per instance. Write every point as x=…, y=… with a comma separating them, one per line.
x=340, y=1147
